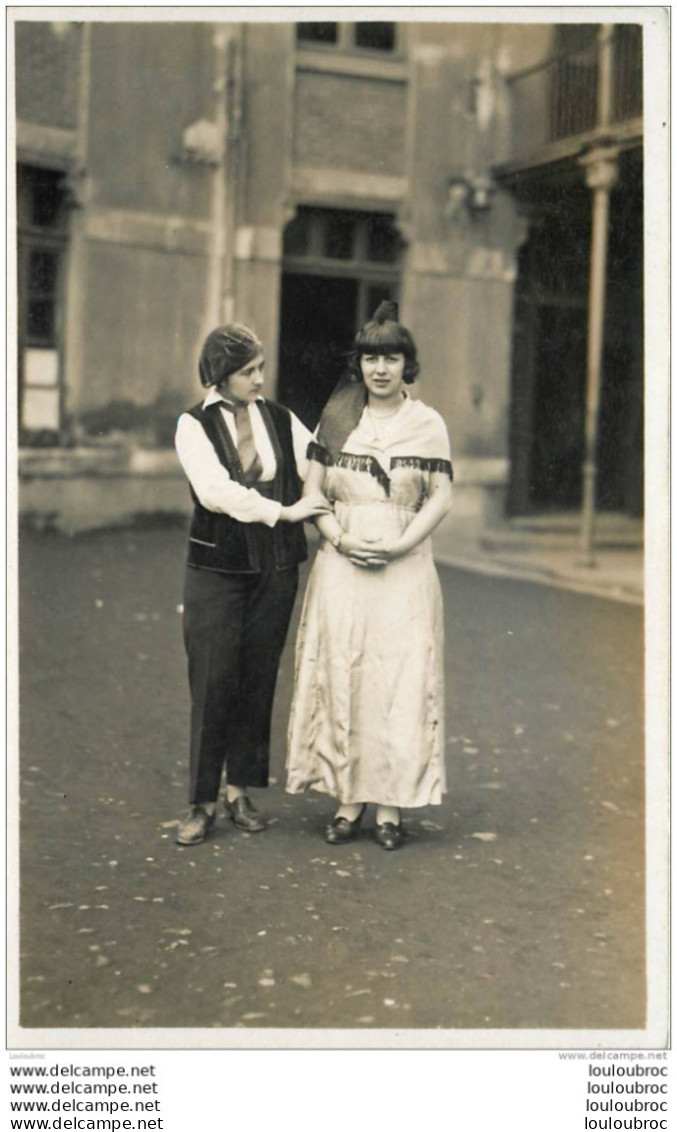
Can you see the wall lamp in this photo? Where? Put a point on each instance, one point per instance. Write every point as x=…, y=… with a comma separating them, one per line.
x=474, y=193
x=201, y=144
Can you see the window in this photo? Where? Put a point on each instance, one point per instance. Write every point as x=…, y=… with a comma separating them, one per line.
x=317, y=33
x=336, y=237
x=363, y=36
x=383, y=242
x=41, y=248
x=375, y=37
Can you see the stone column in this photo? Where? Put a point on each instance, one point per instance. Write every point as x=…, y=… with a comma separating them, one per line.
x=601, y=173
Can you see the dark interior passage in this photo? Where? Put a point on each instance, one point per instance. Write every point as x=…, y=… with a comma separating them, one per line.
x=550, y=341
x=317, y=326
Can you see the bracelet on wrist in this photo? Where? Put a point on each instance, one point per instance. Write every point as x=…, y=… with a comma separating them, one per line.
x=336, y=541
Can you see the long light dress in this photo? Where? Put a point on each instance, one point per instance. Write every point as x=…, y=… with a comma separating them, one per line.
x=367, y=718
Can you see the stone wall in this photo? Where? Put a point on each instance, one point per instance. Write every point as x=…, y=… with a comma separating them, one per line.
x=389, y=135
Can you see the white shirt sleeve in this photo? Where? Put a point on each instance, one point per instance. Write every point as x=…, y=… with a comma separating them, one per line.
x=212, y=483
x=301, y=438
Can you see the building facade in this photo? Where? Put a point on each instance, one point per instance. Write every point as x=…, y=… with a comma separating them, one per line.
x=171, y=176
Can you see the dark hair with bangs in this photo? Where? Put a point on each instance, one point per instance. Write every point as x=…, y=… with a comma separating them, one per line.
x=384, y=334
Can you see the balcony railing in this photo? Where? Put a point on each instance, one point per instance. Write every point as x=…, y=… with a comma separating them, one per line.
x=558, y=98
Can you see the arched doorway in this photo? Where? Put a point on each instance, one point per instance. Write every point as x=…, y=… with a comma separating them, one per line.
x=338, y=265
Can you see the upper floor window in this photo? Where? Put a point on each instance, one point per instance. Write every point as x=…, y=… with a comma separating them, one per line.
x=317, y=33
x=363, y=36
x=375, y=36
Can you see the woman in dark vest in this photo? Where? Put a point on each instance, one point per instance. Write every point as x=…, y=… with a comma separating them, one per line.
x=245, y=458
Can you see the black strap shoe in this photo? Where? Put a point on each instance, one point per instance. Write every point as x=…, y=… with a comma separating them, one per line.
x=342, y=829
x=388, y=835
x=244, y=814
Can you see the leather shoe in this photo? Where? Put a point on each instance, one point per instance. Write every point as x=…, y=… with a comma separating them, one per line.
x=342, y=829
x=193, y=829
x=245, y=816
x=389, y=835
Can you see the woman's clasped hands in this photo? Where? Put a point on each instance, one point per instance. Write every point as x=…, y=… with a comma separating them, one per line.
x=372, y=554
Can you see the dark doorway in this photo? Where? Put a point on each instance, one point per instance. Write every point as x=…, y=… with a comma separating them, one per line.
x=557, y=443
x=317, y=318
x=549, y=347
x=339, y=264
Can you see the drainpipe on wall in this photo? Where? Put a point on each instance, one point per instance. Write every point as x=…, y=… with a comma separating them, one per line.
x=233, y=171
x=215, y=272
x=215, y=142
x=601, y=174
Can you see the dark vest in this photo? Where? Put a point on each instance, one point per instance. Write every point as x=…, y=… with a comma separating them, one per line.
x=219, y=542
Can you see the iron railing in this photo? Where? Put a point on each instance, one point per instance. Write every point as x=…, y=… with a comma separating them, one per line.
x=558, y=98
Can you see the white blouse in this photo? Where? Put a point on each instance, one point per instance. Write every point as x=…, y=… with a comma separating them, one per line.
x=212, y=483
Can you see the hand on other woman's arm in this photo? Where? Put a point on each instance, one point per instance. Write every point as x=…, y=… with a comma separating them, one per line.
x=305, y=508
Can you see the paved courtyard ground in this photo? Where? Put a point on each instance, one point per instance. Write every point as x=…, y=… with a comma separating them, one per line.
x=517, y=904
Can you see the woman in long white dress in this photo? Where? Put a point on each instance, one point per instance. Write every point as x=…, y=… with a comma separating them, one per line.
x=367, y=718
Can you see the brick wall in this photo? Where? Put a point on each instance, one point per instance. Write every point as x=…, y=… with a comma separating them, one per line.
x=345, y=122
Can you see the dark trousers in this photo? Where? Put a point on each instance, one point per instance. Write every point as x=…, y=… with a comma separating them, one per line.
x=235, y=627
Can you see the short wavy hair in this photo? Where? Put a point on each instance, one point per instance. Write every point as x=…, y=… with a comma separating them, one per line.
x=226, y=350
x=385, y=334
